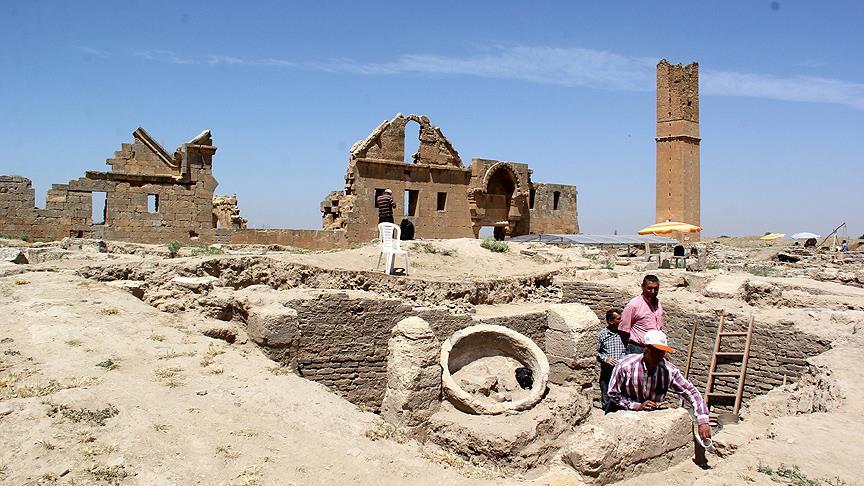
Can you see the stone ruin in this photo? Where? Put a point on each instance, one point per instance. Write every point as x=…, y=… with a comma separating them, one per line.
x=440, y=196
x=153, y=196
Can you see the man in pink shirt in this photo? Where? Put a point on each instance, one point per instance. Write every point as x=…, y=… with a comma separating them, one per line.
x=642, y=314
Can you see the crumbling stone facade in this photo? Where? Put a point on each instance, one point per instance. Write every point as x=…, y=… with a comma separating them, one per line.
x=678, y=192
x=441, y=197
x=150, y=195
x=226, y=213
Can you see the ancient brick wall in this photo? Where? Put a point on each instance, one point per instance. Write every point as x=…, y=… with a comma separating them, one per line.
x=553, y=209
x=775, y=352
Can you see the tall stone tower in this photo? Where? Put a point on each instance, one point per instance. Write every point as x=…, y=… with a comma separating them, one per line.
x=678, y=143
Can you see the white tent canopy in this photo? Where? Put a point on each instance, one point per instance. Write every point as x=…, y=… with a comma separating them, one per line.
x=804, y=235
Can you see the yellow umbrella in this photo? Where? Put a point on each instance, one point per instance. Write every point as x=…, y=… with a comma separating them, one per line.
x=773, y=236
x=670, y=227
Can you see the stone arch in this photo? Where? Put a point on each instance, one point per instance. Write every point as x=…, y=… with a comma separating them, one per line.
x=520, y=186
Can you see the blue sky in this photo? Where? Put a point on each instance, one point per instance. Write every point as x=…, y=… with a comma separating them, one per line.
x=567, y=87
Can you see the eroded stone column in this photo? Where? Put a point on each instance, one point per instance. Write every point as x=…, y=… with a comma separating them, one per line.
x=413, y=374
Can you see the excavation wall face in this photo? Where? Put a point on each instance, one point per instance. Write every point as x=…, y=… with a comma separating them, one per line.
x=774, y=353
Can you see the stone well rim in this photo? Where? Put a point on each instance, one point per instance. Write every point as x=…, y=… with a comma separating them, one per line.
x=466, y=402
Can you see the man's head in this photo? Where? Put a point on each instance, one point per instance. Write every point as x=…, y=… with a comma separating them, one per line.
x=388, y=191
x=656, y=347
x=613, y=318
x=650, y=286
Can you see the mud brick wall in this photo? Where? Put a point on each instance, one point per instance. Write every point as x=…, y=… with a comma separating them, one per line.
x=343, y=339
x=343, y=343
x=776, y=350
x=532, y=324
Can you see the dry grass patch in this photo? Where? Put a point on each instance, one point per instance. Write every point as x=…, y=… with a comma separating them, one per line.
x=156, y=337
x=21, y=281
x=109, y=311
x=95, y=417
x=11, y=386
x=169, y=376
x=108, y=474
x=210, y=355
x=279, y=370
x=174, y=354
x=227, y=451
x=96, y=450
x=109, y=364
x=387, y=431
x=461, y=466
x=250, y=476
x=85, y=436
x=161, y=428
x=46, y=444
x=74, y=343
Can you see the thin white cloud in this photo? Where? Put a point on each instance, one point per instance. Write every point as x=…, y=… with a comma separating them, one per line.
x=797, y=88
x=93, y=52
x=562, y=66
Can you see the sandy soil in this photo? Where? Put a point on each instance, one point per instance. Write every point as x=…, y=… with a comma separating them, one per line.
x=97, y=386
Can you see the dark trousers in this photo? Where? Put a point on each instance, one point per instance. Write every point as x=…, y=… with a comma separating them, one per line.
x=385, y=219
x=633, y=348
x=605, y=375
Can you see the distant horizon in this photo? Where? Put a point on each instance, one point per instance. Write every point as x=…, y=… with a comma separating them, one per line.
x=568, y=89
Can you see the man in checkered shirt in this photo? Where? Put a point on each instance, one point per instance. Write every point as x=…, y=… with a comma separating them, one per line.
x=610, y=348
x=640, y=382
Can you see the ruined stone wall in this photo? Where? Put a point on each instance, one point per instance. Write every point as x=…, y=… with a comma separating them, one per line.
x=226, y=213
x=453, y=221
x=548, y=217
x=298, y=238
x=678, y=178
x=451, y=201
x=179, y=189
x=775, y=350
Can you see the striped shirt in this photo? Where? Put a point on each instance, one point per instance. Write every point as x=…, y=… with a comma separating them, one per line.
x=385, y=204
x=631, y=385
x=640, y=317
x=609, y=345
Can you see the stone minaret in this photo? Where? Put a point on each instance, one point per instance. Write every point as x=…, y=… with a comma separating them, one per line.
x=678, y=143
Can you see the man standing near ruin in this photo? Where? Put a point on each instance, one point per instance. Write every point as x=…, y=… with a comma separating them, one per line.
x=640, y=382
x=385, y=205
x=642, y=314
x=610, y=349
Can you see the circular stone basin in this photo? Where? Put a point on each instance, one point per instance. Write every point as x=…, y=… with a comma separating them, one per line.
x=484, y=340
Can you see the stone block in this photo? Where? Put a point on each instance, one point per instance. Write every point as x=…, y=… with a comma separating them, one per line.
x=626, y=444
x=273, y=325
x=570, y=344
x=12, y=255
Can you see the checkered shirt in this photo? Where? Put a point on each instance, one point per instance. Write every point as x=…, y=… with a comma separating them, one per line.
x=609, y=344
x=631, y=385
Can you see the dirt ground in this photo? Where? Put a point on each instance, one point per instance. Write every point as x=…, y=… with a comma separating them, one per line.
x=96, y=386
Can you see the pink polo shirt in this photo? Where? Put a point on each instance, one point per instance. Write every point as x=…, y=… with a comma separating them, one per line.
x=639, y=317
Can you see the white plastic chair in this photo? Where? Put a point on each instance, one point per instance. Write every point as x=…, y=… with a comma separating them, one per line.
x=390, y=246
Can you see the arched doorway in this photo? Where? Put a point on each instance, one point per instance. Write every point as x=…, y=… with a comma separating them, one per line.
x=499, y=194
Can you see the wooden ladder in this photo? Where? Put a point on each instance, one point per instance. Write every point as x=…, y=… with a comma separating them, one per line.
x=712, y=371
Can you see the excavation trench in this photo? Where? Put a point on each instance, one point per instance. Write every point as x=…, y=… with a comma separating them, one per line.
x=343, y=318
